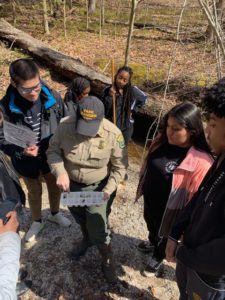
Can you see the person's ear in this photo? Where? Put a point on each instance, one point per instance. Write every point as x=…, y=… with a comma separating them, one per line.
x=12, y=83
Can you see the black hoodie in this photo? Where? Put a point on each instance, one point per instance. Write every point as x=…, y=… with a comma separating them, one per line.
x=202, y=223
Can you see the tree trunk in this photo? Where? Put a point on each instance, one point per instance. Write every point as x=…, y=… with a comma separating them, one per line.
x=220, y=6
x=91, y=6
x=68, y=66
x=103, y=12
x=64, y=18
x=14, y=11
x=70, y=3
x=87, y=16
x=100, y=23
x=130, y=32
x=51, y=7
x=45, y=16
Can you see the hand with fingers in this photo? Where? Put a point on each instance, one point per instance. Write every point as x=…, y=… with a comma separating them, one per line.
x=112, y=91
x=171, y=249
x=63, y=182
x=106, y=197
x=12, y=223
x=31, y=151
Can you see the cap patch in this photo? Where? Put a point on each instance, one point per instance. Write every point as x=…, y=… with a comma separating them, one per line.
x=88, y=114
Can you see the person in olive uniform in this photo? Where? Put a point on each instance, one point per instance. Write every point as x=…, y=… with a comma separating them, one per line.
x=86, y=153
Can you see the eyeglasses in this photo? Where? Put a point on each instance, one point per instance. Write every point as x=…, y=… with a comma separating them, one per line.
x=25, y=91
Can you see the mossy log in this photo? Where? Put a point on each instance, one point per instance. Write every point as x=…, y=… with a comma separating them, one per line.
x=69, y=66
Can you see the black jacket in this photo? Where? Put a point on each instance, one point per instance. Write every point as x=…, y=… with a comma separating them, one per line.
x=70, y=104
x=138, y=100
x=52, y=112
x=10, y=188
x=203, y=224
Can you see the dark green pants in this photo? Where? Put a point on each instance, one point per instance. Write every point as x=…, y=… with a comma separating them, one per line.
x=93, y=219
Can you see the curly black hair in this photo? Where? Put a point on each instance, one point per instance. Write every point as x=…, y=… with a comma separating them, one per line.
x=213, y=101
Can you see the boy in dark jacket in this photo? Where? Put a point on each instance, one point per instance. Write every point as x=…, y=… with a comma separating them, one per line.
x=200, y=258
x=29, y=102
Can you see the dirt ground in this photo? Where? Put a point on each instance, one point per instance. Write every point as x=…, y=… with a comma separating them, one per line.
x=55, y=276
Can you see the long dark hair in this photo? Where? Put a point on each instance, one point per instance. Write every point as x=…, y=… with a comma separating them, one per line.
x=127, y=93
x=188, y=116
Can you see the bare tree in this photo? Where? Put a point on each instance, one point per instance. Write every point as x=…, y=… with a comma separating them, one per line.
x=70, y=3
x=101, y=18
x=87, y=15
x=64, y=18
x=103, y=12
x=45, y=16
x=130, y=32
x=211, y=13
x=13, y=3
x=50, y=3
x=219, y=12
x=91, y=6
x=118, y=3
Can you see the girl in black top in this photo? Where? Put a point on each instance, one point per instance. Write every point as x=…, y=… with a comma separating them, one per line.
x=168, y=182
x=128, y=100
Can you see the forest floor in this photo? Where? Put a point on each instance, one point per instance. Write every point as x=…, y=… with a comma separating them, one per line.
x=54, y=276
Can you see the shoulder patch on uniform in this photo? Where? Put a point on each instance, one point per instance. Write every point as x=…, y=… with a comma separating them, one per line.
x=120, y=141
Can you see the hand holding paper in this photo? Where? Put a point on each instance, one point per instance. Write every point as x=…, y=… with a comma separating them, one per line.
x=31, y=151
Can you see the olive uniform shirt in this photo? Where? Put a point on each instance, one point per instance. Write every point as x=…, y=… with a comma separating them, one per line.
x=88, y=159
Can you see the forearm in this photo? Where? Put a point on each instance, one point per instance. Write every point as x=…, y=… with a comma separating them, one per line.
x=10, y=244
x=182, y=220
x=116, y=176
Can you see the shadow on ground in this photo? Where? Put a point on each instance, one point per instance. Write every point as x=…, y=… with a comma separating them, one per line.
x=55, y=276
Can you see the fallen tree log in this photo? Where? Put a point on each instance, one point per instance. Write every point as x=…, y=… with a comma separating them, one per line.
x=139, y=25
x=68, y=66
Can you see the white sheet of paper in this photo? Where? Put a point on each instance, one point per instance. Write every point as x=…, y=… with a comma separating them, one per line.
x=18, y=135
x=81, y=198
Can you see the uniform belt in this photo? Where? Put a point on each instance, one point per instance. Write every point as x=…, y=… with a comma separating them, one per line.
x=80, y=184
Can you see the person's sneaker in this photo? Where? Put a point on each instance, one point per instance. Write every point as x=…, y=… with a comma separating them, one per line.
x=59, y=219
x=80, y=249
x=145, y=247
x=153, y=267
x=23, y=287
x=34, y=230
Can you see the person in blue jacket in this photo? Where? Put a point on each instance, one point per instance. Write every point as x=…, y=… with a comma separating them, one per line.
x=29, y=102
